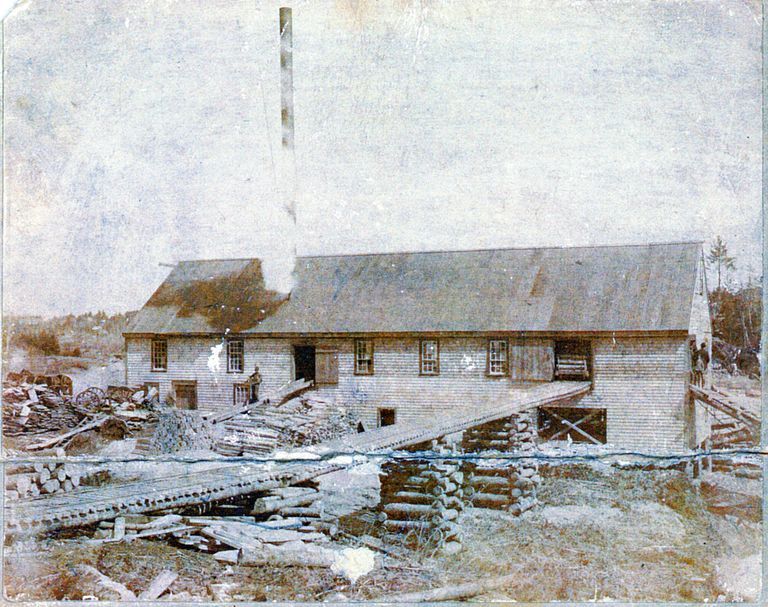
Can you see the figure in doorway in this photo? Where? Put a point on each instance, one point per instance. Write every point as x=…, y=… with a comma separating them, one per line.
x=701, y=362
x=254, y=381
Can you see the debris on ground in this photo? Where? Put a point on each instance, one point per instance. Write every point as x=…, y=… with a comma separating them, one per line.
x=46, y=421
x=36, y=408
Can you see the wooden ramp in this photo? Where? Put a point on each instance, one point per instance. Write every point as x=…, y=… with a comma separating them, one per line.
x=722, y=403
x=89, y=505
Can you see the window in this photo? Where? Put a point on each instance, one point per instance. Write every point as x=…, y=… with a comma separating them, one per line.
x=429, y=357
x=497, y=357
x=386, y=417
x=235, y=356
x=159, y=355
x=240, y=394
x=364, y=357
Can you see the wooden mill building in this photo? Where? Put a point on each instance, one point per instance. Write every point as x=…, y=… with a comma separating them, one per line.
x=400, y=336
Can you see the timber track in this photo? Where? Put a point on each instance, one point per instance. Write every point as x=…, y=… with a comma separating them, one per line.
x=89, y=505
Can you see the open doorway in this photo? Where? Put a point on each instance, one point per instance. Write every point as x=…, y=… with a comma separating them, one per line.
x=386, y=417
x=573, y=360
x=304, y=362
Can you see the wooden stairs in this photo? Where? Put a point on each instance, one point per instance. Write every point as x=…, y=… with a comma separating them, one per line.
x=735, y=425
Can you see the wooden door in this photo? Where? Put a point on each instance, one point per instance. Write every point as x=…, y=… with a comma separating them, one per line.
x=186, y=394
x=327, y=367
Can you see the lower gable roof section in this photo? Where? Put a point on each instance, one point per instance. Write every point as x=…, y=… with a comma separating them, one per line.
x=635, y=288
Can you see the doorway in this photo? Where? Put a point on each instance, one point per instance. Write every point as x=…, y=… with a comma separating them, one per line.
x=386, y=417
x=304, y=362
x=186, y=394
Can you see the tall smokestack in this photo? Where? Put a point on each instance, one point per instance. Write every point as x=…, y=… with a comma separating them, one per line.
x=286, y=109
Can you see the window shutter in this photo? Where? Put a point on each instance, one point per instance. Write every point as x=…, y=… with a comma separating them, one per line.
x=327, y=367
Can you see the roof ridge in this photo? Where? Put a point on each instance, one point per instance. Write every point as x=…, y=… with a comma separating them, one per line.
x=478, y=250
x=489, y=249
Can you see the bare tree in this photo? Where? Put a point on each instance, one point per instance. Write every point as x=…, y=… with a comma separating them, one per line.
x=719, y=259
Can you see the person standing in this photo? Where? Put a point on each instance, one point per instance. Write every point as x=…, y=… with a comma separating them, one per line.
x=701, y=364
x=694, y=360
x=254, y=382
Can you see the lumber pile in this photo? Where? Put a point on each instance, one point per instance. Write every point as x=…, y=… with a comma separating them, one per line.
x=280, y=395
x=30, y=480
x=302, y=421
x=742, y=428
x=231, y=539
x=35, y=409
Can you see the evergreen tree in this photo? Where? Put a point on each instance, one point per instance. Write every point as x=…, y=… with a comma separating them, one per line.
x=719, y=259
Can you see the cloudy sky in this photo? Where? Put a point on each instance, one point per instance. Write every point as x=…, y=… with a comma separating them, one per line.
x=146, y=132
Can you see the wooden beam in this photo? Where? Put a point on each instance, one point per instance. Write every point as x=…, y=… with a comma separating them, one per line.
x=574, y=426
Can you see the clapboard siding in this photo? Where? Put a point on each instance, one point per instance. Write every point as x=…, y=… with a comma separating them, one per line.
x=642, y=383
x=188, y=360
x=397, y=384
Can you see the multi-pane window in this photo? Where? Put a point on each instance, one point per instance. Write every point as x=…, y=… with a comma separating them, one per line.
x=430, y=357
x=159, y=355
x=497, y=357
x=363, y=357
x=235, y=356
x=240, y=394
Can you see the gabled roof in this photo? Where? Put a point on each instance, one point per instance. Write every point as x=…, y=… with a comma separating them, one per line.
x=210, y=296
x=582, y=289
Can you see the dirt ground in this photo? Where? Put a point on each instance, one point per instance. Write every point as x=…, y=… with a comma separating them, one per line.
x=600, y=533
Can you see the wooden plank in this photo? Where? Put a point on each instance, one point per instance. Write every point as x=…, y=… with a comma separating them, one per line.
x=52, y=442
x=281, y=393
x=159, y=585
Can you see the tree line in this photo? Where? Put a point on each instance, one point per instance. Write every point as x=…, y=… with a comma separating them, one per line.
x=736, y=310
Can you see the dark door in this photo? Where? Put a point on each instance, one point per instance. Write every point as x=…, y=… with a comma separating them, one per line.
x=186, y=394
x=304, y=360
x=386, y=417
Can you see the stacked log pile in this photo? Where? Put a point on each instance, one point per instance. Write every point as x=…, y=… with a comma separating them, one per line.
x=300, y=422
x=504, y=483
x=449, y=494
x=29, y=480
x=425, y=497
x=182, y=430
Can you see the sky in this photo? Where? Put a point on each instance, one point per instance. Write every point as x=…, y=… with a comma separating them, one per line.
x=140, y=133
